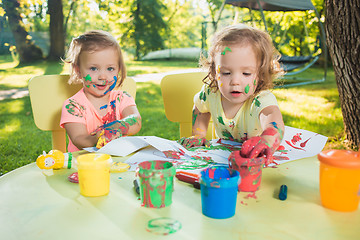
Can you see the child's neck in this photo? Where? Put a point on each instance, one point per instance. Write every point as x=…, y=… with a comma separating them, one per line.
x=230, y=110
x=100, y=103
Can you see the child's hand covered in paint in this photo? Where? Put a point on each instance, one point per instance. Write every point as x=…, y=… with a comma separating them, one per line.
x=193, y=142
x=255, y=147
x=266, y=144
x=111, y=131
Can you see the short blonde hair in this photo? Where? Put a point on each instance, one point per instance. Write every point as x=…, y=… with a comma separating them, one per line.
x=261, y=43
x=92, y=41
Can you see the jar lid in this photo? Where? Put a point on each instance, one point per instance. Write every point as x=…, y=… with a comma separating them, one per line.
x=340, y=158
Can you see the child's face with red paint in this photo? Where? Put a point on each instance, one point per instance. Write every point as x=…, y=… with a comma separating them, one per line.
x=236, y=73
x=99, y=70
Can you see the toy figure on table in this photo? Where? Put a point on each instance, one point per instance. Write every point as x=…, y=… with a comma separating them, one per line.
x=55, y=159
x=98, y=113
x=241, y=66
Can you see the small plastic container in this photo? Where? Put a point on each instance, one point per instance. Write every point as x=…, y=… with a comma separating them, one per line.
x=94, y=174
x=340, y=179
x=219, y=192
x=250, y=171
x=156, y=183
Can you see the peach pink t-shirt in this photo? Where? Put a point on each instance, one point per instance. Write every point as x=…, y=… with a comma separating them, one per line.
x=78, y=109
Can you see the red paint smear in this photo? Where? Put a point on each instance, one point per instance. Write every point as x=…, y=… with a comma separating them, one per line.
x=293, y=145
x=251, y=195
x=281, y=147
x=296, y=138
x=281, y=158
x=269, y=131
x=303, y=144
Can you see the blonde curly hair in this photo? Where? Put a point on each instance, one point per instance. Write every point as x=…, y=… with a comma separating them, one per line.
x=261, y=43
x=92, y=41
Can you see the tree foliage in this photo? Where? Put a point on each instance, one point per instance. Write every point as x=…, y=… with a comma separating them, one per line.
x=139, y=23
x=25, y=47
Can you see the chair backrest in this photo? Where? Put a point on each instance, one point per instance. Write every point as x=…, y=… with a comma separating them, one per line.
x=178, y=92
x=47, y=95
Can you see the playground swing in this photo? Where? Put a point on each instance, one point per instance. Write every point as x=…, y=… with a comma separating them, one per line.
x=293, y=65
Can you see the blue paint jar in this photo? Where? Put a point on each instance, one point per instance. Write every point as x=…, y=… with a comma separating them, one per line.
x=219, y=188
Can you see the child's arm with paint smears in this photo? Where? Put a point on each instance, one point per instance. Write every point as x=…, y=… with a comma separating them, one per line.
x=267, y=143
x=129, y=125
x=200, y=123
x=79, y=135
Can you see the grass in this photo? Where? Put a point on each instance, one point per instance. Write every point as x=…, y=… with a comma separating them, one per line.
x=313, y=107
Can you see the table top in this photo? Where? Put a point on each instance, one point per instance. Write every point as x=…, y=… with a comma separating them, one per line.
x=35, y=206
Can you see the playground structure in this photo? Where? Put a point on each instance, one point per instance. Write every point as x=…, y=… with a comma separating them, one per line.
x=293, y=65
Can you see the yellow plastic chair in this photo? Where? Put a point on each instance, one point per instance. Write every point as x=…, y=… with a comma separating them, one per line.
x=47, y=95
x=178, y=92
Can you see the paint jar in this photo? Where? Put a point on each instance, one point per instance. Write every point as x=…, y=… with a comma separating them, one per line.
x=340, y=179
x=156, y=183
x=94, y=174
x=219, y=192
x=250, y=171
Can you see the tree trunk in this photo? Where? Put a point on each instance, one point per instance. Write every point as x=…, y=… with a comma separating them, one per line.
x=57, y=39
x=137, y=29
x=27, y=50
x=343, y=39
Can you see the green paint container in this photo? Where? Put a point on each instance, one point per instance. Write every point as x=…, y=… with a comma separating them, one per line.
x=156, y=183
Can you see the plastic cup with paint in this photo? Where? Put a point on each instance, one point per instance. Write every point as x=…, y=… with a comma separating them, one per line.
x=219, y=192
x=340, y=179
x=156, y=183
x=250, y=171
x=94, y=174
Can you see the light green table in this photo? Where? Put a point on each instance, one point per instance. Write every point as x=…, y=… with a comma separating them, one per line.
x=33, y=206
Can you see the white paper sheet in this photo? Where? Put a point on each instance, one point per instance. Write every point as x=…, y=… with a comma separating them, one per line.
x=121, y=146
x=299, y=143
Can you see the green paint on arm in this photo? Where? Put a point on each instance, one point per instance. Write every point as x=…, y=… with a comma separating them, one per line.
x=194, y=116
x=131, y=120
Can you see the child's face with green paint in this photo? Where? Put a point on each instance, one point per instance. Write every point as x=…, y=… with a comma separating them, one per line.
x=236, y=73
x=99, y=70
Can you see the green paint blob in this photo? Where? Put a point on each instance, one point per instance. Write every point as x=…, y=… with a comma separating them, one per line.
x=163, y=226
x=220, y=120
x=257, y=102
x=247, y=88
x=194, y=116
x=87, y=78
x=226, y=49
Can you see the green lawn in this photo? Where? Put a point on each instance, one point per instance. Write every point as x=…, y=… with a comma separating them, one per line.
x=313, y=107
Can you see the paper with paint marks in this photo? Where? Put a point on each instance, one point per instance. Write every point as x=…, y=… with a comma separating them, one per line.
x=299, y=143
x=188, y=160
x=296, y=144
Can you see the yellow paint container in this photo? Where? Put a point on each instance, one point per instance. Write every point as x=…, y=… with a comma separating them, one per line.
x=340, y=179
x=94, y=174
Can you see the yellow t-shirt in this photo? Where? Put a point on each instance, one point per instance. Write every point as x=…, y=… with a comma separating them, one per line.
x=246, y=122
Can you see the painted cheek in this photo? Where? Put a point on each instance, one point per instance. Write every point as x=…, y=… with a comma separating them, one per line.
x=247, y=89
